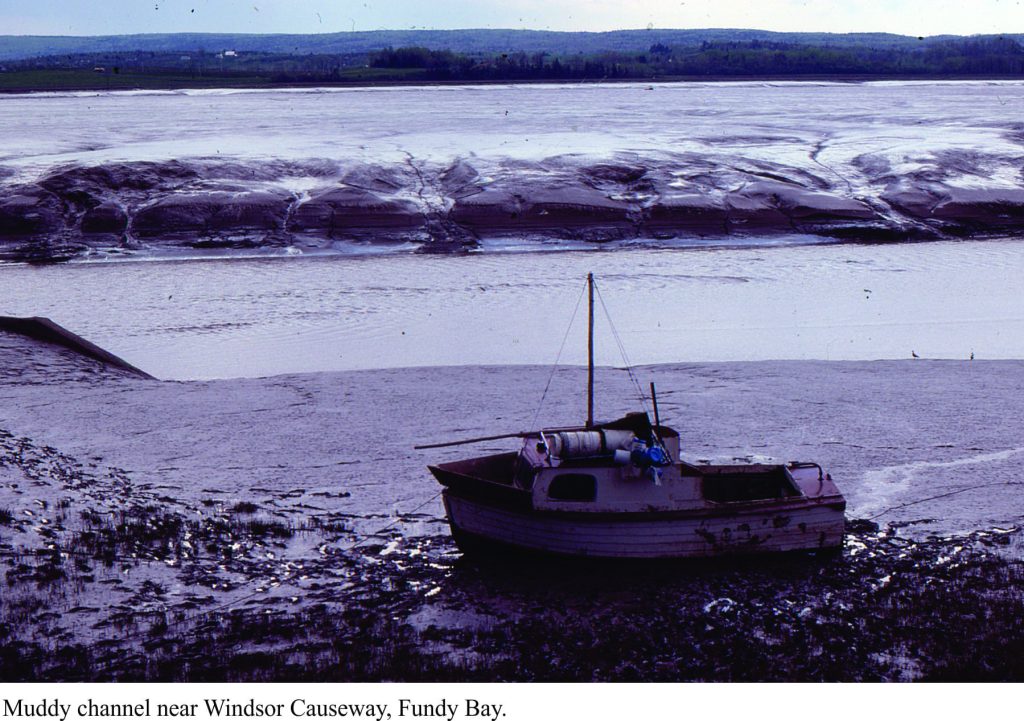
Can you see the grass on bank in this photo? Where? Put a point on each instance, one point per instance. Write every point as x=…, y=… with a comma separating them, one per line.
x=55, y=80
x=62, y=80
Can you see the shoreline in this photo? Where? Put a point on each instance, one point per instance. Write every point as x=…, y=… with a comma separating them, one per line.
x=399, y=83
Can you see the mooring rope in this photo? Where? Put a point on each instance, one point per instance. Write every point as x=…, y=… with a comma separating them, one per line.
x=944, y=495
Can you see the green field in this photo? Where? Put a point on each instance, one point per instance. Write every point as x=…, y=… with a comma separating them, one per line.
x=55, y=80
x=374, y=74
x=37, y=80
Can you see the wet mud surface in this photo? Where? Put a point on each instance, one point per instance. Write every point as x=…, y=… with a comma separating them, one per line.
x=113, y=583
x=125, y=557
x=673, y=163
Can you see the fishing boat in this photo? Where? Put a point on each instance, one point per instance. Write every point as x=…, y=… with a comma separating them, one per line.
x=620, y=489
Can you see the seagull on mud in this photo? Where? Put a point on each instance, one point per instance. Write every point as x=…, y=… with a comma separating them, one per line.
x=914, y=354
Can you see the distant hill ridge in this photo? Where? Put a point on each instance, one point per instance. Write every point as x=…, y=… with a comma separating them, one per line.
x=16, y=47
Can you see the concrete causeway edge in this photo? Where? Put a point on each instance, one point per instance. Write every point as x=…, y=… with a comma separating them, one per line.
x=44, y=329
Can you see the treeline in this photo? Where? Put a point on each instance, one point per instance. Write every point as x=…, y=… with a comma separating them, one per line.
x=200, y=62
x=972, y=57
x=978, y=57
x=983, y=56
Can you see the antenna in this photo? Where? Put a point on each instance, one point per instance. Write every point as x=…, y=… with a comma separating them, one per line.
x=590, y=351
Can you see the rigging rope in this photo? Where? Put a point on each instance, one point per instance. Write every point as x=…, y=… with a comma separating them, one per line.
x=618, y=341
x=622, y=350
x=558, y=357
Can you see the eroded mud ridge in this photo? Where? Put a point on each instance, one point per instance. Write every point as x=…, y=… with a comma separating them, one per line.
x=208, y=203
x=114, y=581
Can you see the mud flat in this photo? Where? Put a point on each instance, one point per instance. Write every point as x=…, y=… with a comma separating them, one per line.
x=283, y=528
x=315, y=170
x=204, y=204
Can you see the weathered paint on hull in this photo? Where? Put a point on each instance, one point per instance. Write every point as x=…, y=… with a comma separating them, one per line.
x=813, y=527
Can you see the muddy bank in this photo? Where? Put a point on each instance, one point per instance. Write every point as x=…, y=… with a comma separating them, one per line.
x=284, y=528
x=139, y=207
x=117, y=582
x=51, y=334
x=391, y=608
x=462, y=167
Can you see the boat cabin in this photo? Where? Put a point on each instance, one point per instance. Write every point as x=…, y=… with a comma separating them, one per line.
x=629, y=465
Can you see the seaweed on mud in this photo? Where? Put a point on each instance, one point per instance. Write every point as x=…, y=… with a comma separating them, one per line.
x=260, y=528
x=889, y=608
x=111, y=581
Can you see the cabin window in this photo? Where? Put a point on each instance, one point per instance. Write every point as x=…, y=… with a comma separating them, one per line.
x=573, y=487
x=748, y=486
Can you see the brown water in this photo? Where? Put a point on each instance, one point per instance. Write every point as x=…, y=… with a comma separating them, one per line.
x=256, y=317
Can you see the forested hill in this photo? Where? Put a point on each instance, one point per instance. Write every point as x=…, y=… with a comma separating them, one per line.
x=13, y=47
x=192, y=61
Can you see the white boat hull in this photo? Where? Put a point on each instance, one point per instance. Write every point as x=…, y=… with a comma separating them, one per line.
x=771, y=528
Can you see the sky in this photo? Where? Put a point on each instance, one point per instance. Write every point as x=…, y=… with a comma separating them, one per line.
x=114, y=17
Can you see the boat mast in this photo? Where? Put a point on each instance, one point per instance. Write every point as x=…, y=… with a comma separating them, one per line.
x=590, y=352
